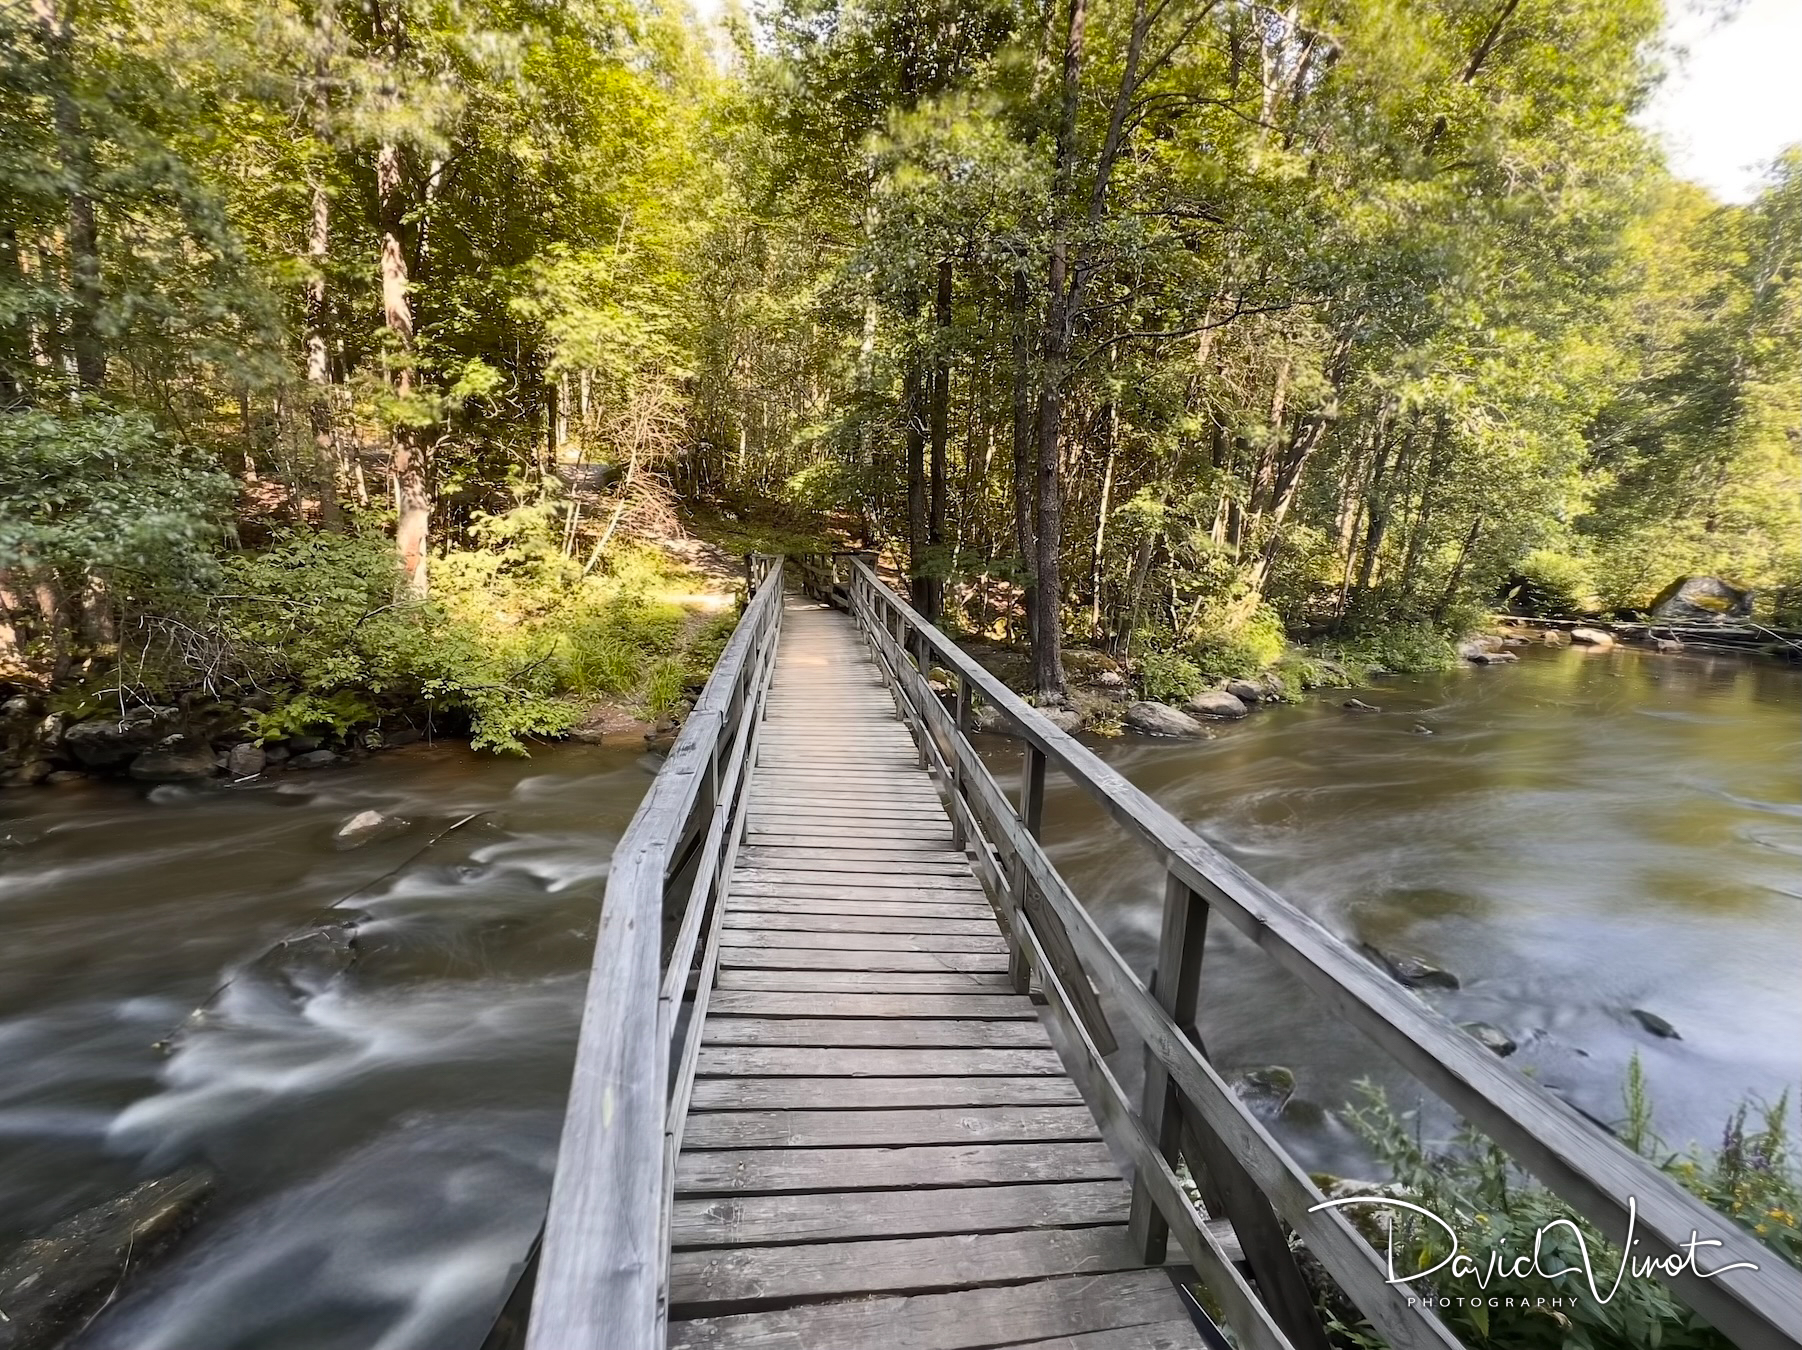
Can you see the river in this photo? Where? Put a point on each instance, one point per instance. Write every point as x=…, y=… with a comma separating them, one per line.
x=1581, y=834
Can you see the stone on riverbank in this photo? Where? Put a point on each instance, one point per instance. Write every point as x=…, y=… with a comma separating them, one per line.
x=180, y=758
x=105, y=742
x=1160, y=719
x=366, y=827
x=1491, y=1037
x=1495, y=658
x=1410, y=970
x=246, y=760
x=1067, y=720
x=1215, y=703
x=1246, y=691
x=1655, y=1024
x=1266, y=1090
x=313, y=759
x=47, y=1283
x=1592, y=637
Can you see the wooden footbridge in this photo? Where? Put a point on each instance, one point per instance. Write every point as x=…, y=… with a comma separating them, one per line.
x=844, y=1074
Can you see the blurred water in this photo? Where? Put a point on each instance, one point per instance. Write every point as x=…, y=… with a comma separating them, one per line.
x=384, y=1134
x=1583, y=833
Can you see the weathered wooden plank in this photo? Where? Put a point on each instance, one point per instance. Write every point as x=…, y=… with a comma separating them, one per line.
x=765, y=1171
x=735, y=1061
x=895, y=888
x=878, y=1126
x=974, y=926
x=998, y=1005
x=830, y=866
x=891, y=1033
x=958, y=908
x=1174, y=1335
x=841, y=1270
x=822, y=839
x=866, y=982
x=847, y=851
x=830, y=1216
x=800, y=958
x=1005, y=1315
x=809, y=940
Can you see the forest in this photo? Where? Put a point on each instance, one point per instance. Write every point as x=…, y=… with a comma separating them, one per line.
x=362, y=357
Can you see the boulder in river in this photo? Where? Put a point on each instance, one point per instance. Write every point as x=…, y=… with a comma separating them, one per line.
x=366, y=827
x=1592, y=637
x=1410, y=970
x=1655, y=1024
x=180, y=758
x=246, y=760
x=1478, y=645
x=1702, y=600
x=1160, y=719
x=1064, y=719
x=49, y=1283
x=1495, y=658
x=1214, y=703
x=1246, y=691
x=108, y=741
x=27, y=773
x=1358, y=705
x=313, y=759
x=1266, y=1090
x=1491, y=1037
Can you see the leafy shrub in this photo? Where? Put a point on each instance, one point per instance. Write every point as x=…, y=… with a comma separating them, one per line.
x=1241, y=648
x=1168, y=677
x=1549, y=582
x=1754, y=1178
x=1403, y=648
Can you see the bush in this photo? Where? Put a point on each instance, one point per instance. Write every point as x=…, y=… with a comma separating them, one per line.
x=1401, y=648
x=1167, y=677
x=1552, y=583
x=1753, y=1178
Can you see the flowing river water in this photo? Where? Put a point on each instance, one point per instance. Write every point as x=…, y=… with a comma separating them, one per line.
x=1582, y=834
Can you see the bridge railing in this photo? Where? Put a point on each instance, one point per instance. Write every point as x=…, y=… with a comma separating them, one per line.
x=1187, y=1112
x=603, y=1270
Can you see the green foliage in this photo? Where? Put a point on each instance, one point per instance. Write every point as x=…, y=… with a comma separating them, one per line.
x=1168, y=677
x=1754, y=1177
x=99, y=493
x=1548, y=582
x=1399, y=648
x=1241, y=648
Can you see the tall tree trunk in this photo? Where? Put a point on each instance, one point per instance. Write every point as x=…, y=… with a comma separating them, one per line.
x=85, y=291
x=319, y=374
x=407, y=461
x=1026, y=547
x=15, y=337
x=941, y=433
x=1457, y=576
x=1111, y=434
x=914, y=397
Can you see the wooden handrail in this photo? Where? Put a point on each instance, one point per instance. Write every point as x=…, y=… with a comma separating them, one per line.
x=1188, y=1112
x=603, y=1272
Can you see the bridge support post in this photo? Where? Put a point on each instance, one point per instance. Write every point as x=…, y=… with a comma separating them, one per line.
x=1176, y=984
x=961, y=723
x=1032, y=815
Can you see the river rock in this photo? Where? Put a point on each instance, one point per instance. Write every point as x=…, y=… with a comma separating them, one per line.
x=1214, y=703
x=28, y=773
x=1498, y=657
x=1358, y=705
x=63, y=777
x=1246, y=691
x=313, y=759
x=1266, y=1090
x=1702, y=600
x=366, y=827
x=1478, y=645
x=1655, y=1024
x=1491, y=1037
x=180, y=758
x=246, y=760
x=1108, y=679
x=1067, y=720
x=49, y=1283
x=1160, y=719
x=393, y=740
x=1410, y=970
x=305, y=745
x=1553, y=637
x=108, y=741
x=1422, y=729
x=1592, y=637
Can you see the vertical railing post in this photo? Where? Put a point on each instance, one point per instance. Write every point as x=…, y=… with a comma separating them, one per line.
x=1176, y=984
x=960, y=724
x=1032, y=815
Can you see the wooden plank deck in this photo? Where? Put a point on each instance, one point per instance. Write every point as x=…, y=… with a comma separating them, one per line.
x=883, y=1149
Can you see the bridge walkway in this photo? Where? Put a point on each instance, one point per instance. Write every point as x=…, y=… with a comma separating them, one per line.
x=882, y=1147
